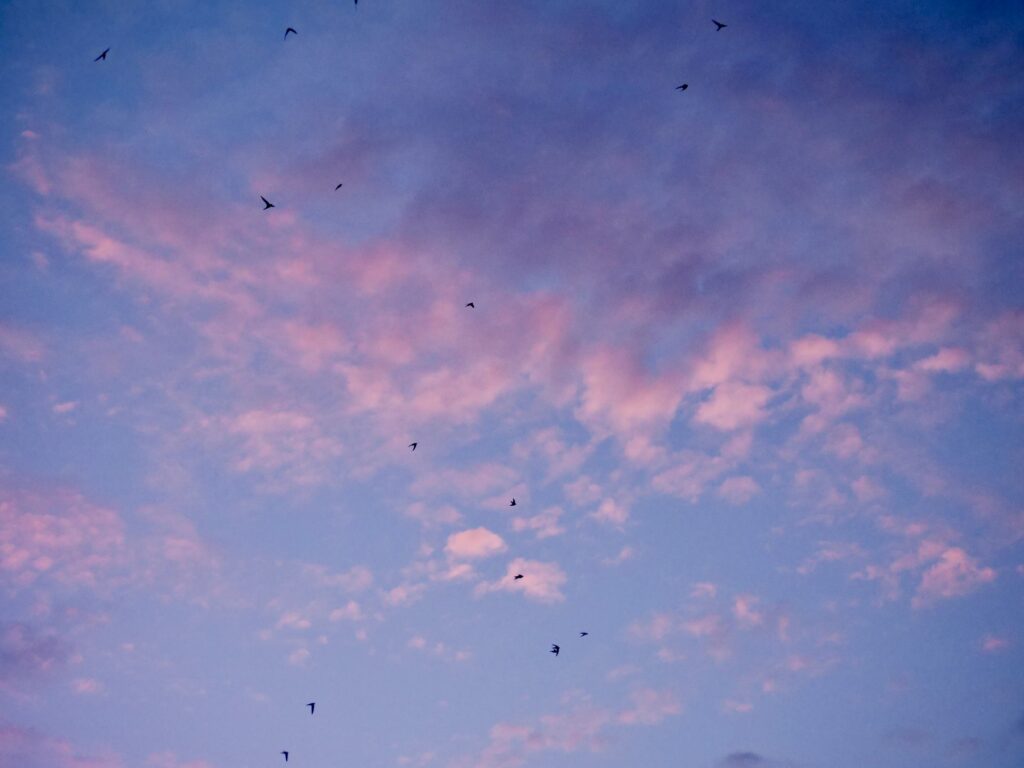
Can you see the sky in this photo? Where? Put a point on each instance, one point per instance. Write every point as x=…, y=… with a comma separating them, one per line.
x=749, y=357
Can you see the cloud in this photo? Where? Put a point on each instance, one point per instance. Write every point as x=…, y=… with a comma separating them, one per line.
x=744, y=760
x=544, y=525
x=704, y=590
x=994, y=643
x=26, y=652
x=356, y=579
x=582, y=727
x=541, y=582
x=953, y=575
x=650, y=707
x=734, y=405
x=623, y=555
x=739, y=490
x=611, y=513
x=431, y=516
x=60, y=538
x=474, y=543
x=745, y=612
x=86, y=686
x=351, y=611
x=171, y=760
x=29, y=748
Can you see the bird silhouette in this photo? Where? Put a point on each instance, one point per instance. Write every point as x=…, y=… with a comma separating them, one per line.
x=554, y=649
x=290, y=29
x=413, y=445
x=517, y=577
x=102, y=55
x=471, y=305
x=312, y=707
x=682, y=87
x=719, y=26
x=285, y=753
x=337, y=188
x=267, y=205
x=584, y=634
x=512, y=503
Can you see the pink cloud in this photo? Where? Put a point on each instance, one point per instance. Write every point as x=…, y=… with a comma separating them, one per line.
x=734, y=405
x=946, y=360
x=660, y=626
x=171, y=760
x=612, y=513
x=739, y=490
x=20, y=344
x=624, y=554
x=358, y=578
x=743, y=608
x=544, y=525
x=351, y=611
x=619, y=394
x=432, y=516
x=650, y=707
x=953, y=575
x=703, y=590
x=62, y=538
x=474, y=543
x=29, y=747
x=86, y=686
x=994, y=643
x=541, y=582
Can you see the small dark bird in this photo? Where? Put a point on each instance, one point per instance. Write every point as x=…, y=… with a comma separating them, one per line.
x=267, y=205
x=285, y=753
x=471, y=305
x=290, y=29
x=413, y=445
x=517, y=577
x=312, y=706
x=102, y=56
x=682, y=87
x=719, y=26
x=554, y=649
x=584, y=634
x=512, y=503
x=337, y=188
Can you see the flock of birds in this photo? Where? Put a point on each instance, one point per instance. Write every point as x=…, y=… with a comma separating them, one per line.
x=267, y=205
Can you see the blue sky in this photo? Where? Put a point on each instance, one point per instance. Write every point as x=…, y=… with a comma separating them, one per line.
x=749, y=357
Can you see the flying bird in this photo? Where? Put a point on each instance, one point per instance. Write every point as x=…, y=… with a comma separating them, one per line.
x=285, y=753
x=584, y=634
x=413, y=445
x=312, y=707
x=267, y=205
x=337, y=188
x=290, y=29
x=471, y=305
x=682, y=87
x=102, y=55
x=517, y=577
x=554, y=649
x=512, y=503
x=719, y=26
